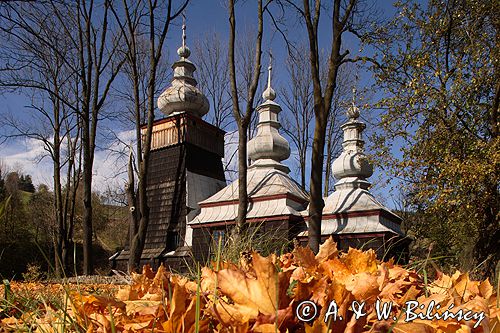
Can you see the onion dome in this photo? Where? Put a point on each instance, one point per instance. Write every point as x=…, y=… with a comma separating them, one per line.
x=352, y=166
x=268, y=148
x=182, y=95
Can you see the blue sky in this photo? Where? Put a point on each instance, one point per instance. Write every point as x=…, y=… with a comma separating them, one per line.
x=202, y=17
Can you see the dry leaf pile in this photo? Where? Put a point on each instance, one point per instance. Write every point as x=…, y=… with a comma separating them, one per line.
x=264, y=294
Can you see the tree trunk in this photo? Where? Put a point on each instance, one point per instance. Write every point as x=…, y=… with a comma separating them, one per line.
x=131, y=201
x=58, y=208
x=242, y=182
x=328, y=167
x=139, y=238
x=243, y=121
x=88, y=266
x=59, y=262
x=322, y=104
x=303, y=165
x=316, y=196
x=486, y=253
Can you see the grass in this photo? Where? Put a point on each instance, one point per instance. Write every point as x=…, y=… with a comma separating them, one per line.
x=252, y=239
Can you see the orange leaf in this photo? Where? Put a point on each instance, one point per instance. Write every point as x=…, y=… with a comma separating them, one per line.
x=259, y=293
x=363, y=286
x=327, y=250
x=304, y=257
x=358, y=261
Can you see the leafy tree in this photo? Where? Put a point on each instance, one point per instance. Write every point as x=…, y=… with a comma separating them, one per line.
x=2, y=187
x=440, y=71
x=42, y=216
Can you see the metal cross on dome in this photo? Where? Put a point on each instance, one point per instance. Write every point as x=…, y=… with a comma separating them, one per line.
x=183, y=30
x=270, y=68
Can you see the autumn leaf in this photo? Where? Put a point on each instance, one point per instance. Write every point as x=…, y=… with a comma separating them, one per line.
x=262, y=297
x=384, y=327
x=304, y=257
x=363, y=286
x=327, y=250
x=358, y=261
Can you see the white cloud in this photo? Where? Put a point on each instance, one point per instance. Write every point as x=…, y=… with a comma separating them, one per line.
x=29, y=157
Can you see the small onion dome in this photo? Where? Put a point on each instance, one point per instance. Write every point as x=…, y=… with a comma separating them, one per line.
x=353, y=112
x=269, y=94
x=184, y=51
x=268, y=144
x=182, y=95
x=352, y=164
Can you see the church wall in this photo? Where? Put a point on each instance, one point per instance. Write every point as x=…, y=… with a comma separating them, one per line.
x=277, y=234
x=166, y=192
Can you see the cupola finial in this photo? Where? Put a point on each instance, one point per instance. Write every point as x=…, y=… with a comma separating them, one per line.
x=183, y=30
x=269, y=93
x=184, y=51
x=352, y=167
x=268, y=148
x=353, y=110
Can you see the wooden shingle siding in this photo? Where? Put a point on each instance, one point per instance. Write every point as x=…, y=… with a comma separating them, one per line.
x=278, y=234
x=180, y=143
x=166, y=194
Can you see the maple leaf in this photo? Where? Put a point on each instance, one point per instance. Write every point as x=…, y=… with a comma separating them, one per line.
x=358, y=261
x=318, y=326
x=258, y=291
x=263, y=295
x=363, y=286
x=304, y=257
x=327, y=250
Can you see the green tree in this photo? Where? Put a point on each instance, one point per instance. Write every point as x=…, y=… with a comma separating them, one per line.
x=440, y=71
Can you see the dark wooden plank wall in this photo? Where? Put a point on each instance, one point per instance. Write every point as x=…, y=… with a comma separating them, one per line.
x=166, y=194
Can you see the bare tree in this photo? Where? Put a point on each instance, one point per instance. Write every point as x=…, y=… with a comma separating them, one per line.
x=36, y=51
x=213, y=78
x=342, y=13
x=99, y=62
x=134, y=15
x=245, y=68
x=298, y=98
x=333, y=131
x=94, y=63
x=243, y=119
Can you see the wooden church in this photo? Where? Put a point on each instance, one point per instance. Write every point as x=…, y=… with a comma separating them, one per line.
x=192, y=207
